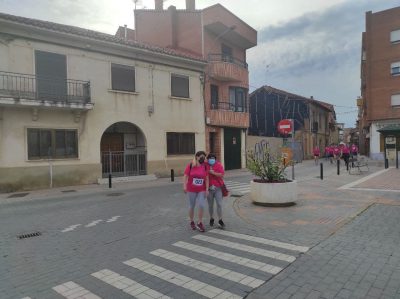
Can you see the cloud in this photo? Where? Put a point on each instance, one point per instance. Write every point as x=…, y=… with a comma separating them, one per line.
x=316, y=54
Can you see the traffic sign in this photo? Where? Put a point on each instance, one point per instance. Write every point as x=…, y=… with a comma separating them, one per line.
x=285, y=126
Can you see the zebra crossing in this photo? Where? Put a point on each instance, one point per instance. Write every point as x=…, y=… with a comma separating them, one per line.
x=219, y=264
x=237, y=188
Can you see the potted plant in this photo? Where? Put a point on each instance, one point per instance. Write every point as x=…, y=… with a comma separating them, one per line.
x=271, y=188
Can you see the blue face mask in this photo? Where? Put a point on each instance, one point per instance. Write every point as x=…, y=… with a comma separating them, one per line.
x=211, y=161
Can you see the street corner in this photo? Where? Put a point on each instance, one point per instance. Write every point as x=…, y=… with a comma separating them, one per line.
x=309, y=220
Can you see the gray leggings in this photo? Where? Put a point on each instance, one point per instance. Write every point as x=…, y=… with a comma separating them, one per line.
x=217, y=195
x=196, y=197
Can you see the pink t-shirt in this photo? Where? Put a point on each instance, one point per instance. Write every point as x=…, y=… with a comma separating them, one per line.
x=218, y=168
x=354, y=148
x=197, y=178
x=316, y=151
x=327, y=150
x=345, y=150
x=331, y=150
x=336, y=151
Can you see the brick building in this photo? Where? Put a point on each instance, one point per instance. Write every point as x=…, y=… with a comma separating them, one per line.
x=222, y=39
x=379, y=105
x=314, y=121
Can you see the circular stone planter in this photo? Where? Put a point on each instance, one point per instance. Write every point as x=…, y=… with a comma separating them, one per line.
x=274, y=194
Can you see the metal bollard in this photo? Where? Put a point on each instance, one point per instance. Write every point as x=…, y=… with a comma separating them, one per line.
x=338, y=167
x=322, y=170
x=293, y=171
x=386, y=163
x=347, y=165
x=109, y=181
x=172, y=175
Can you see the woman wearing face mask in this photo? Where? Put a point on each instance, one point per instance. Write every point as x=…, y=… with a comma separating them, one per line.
x=216, y=175
x=195, y=185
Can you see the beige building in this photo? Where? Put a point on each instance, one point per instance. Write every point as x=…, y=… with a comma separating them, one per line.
x=77, y=104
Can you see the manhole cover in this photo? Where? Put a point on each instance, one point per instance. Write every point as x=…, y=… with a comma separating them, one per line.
x=30, y=235
x=115, y=194
x=68, y=191
x=18, y=195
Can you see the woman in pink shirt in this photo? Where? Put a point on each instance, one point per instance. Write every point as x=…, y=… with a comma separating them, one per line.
x=331, y=153
x=345, y=154
x=216, y=175
x=336, y=152
x=354, y=150
x=327, y=150
x=195, y=185
x=316, y=153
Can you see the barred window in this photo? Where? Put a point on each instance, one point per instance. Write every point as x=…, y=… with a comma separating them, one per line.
x=52, y=143
x=180, y=143
x=122, y=77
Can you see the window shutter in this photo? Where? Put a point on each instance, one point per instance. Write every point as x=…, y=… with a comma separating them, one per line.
x=395, y=36
x=122, y=77
x=396, y=100
x=395, y=68
x=179, y=86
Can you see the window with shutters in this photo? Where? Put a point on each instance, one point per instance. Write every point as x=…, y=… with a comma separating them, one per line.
x=395, y=68
x=122, y=77
x=180, y=143
x=395, y=36
x=52, y=144
x=179, y=86
x=51, y=75
x=396, y=100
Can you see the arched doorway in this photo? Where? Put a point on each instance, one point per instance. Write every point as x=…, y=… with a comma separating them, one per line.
x=123, y=150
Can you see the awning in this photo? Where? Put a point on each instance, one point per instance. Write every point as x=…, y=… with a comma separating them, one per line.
x=390, y=130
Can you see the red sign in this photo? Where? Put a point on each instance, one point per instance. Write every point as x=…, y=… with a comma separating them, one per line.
x=285, y=126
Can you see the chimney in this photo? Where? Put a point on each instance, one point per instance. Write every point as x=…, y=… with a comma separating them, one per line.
x=125, y=31
x=159, y=4
x=191, y=5
x=174, y=41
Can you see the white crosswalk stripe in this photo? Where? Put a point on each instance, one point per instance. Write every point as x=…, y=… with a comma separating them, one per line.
x=70, y=228
x=253, y=264
x=72, y=290
x=127, y=285
x=209, y=268
x=237, y=187
x=183, y=281
x=251, y=274
x=94, y=223
x=260, y=240
x=246, y=248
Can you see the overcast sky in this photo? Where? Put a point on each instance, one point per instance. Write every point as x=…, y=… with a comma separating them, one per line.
x=308, y=47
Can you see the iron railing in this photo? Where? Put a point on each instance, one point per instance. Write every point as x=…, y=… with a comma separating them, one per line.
x=228, y=106
x=31, y=87
x=123, y=164
x=227, y=58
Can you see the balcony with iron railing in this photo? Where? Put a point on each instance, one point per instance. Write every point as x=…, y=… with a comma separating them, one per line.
x=228, y=114
x=228, y=68
x=30, y=90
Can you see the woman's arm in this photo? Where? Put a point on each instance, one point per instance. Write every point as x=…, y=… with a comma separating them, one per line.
x=185, y=181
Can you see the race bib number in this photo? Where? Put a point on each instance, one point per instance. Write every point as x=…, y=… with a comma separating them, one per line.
x=198, y=182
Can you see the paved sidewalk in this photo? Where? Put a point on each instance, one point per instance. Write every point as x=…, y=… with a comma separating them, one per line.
x=360, y=261
x=387, y=180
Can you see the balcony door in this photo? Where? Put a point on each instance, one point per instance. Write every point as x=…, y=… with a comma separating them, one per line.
x=237, y=99
x=51, y=76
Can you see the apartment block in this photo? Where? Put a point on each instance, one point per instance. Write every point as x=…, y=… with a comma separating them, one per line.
x=379, y=104
x=220, y=38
